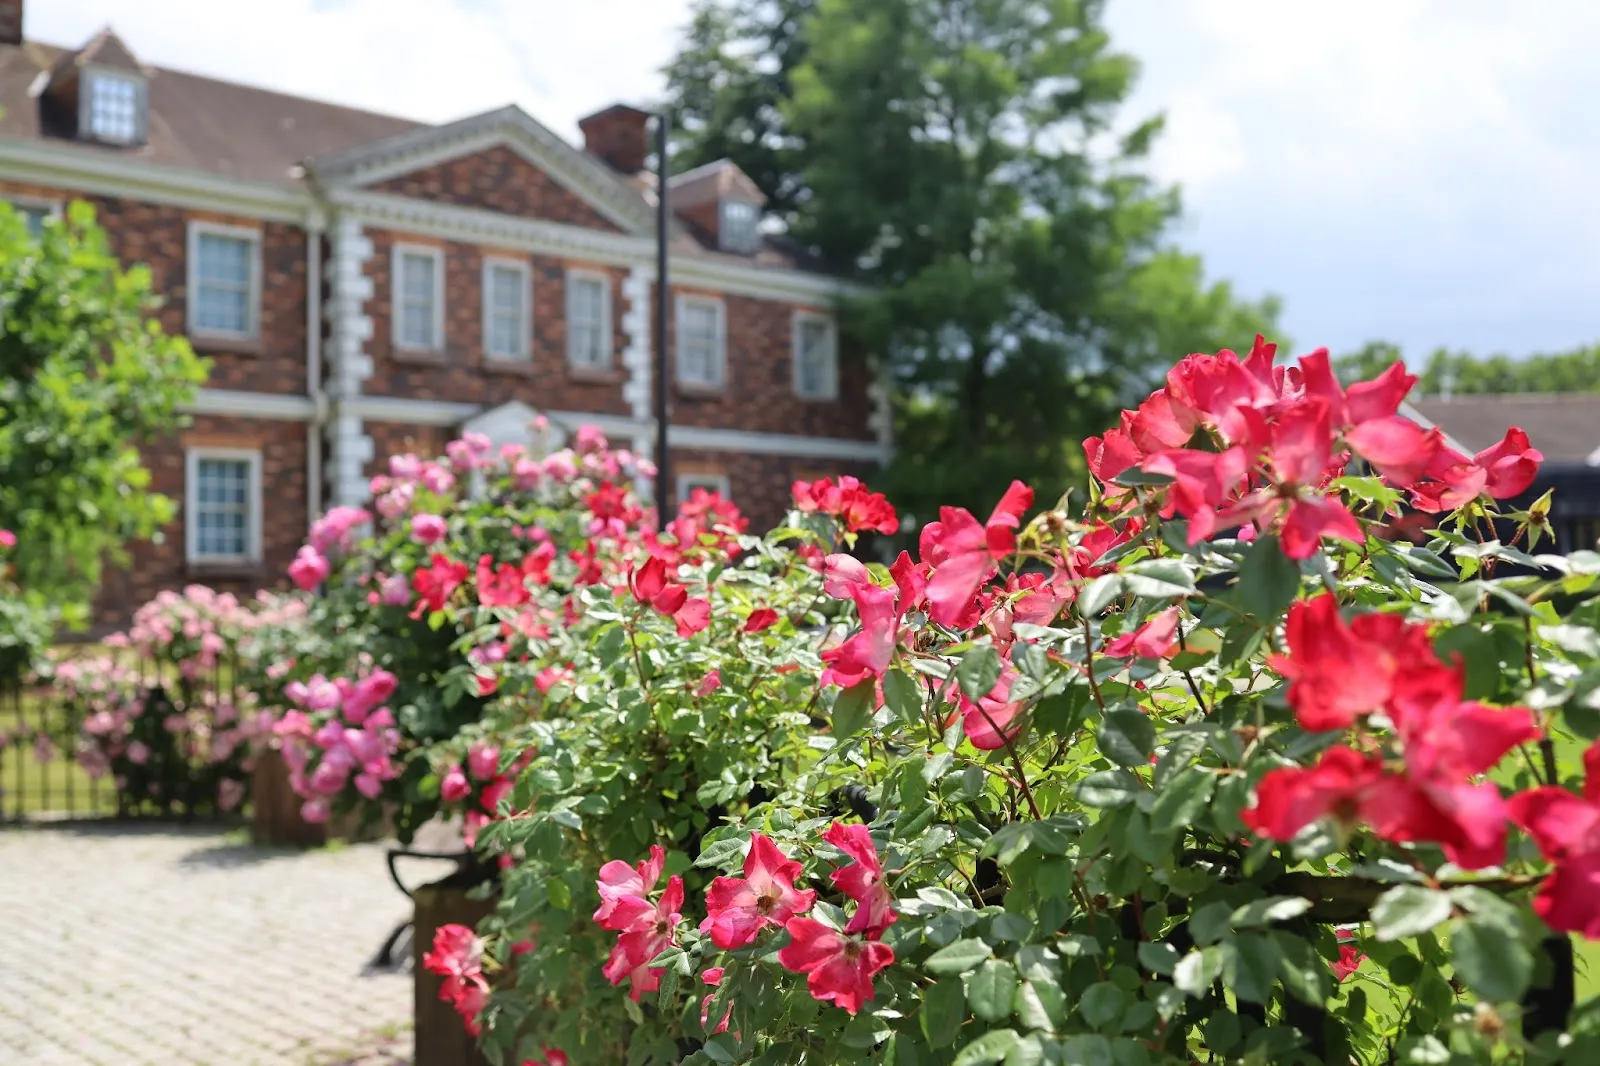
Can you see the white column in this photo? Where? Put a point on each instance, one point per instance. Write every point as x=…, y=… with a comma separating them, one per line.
x=349, y=365
x=638, y=358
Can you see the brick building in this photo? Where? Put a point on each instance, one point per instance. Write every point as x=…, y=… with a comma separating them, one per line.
x=365, y=285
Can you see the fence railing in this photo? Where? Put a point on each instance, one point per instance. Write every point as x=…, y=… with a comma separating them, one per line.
x=123, y=734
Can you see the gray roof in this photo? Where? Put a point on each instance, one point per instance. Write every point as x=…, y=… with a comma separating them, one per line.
x=196, y=123
x=1564, y=426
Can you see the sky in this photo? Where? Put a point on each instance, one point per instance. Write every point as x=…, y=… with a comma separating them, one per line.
x=1420, y=171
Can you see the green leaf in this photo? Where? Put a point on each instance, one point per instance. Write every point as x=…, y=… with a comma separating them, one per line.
x=903, y=694
x=978, y=671
x=1260, y=912
x=1197, y=971
x=989, y=1048
x=959, y=957
x=1409, y=910
x=1029, y=1051
x=1268, y=579
x=852, y=709
x=990, y=990
x=1101, y=1004
x=1210, y=923
x=1182, y=747
x=1127, y=738
x=1133, y=477
x=1038, y=1004
x=1108, y=789
x=1305, y=973
x=944, y=1009
x=719, y=852
x=1183, y=800
x=1089, y=1049
x=1098, y=594
x=1250, y=966
x=1491, y=959
x=1160, y=579
x=1157, y=957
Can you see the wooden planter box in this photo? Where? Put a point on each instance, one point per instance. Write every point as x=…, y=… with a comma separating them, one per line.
x=441, y=1038
x=275, y=811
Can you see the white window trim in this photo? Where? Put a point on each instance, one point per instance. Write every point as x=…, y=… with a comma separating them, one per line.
x=726, y=243
x=191, y=502
x=396, y=317
x=252, y=330
x=607, y=332
x=687, y=483
x=524, y=350
x=141, y=106
x=686, y=300
x=831, y=390
x=33, y=203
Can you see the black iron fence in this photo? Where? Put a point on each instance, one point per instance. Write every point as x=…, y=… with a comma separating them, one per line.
x=116, y=733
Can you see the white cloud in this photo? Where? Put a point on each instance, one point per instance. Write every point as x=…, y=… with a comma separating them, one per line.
x=1415, y=169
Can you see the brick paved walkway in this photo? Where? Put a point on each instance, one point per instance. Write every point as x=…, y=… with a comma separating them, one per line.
x=163, y=946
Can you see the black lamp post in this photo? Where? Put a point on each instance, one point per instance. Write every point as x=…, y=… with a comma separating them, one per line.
x=665, y=490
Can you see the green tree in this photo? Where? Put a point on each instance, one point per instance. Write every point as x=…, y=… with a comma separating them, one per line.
x=959, y=156
x=85, y=375
x=1366, y=362
x=730, y=82
x=1577, y=370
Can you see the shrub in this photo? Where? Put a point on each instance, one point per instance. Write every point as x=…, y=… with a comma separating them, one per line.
x=86, y=375
x=173, y=711
x=504, y=520
x=1207, y=774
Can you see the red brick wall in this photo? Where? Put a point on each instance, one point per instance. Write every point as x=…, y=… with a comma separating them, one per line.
x=461, y=373
x=160, y=564
x=761, y=484
x=157, y=235
x=500, y=180
x=758, y=391
x=397, y=438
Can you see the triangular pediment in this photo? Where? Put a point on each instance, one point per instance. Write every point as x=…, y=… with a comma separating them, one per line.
x=502, y=160
x=513, y=423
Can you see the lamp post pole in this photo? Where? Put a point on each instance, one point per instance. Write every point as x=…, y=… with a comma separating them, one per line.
x=665, y=490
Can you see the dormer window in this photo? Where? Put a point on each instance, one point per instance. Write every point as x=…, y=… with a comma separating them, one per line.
x=738, y=227
x=113, y=107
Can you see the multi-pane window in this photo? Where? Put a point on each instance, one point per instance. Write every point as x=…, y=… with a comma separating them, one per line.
x=588, y=321
x=505, y=309
x=419, y=297
x=700, y=342
x=116, y=106
x=717, y=483
x=223, y=282
x=816, y=362
x=739, y=221
x=33, y=216
x=222, y=499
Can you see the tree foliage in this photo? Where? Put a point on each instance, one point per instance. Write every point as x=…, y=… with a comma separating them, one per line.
x=1462, y=373
x=962, y=157
x=85, y=375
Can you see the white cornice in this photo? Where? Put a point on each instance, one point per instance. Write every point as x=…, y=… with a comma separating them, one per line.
x=479, y=226
x=231, y=402
x=475, y=225
x=620, y=427
x=508, y=126
x=99, y=171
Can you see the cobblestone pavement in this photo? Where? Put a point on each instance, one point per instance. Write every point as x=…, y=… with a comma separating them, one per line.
x=138, y=946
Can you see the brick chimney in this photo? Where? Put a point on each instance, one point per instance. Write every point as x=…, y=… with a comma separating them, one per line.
x=10, y=21
x=619, y=135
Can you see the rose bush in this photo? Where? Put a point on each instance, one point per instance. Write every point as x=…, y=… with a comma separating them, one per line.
x=27, y=621
x=502, y=522
x=174, y=708
x=1208, y=773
